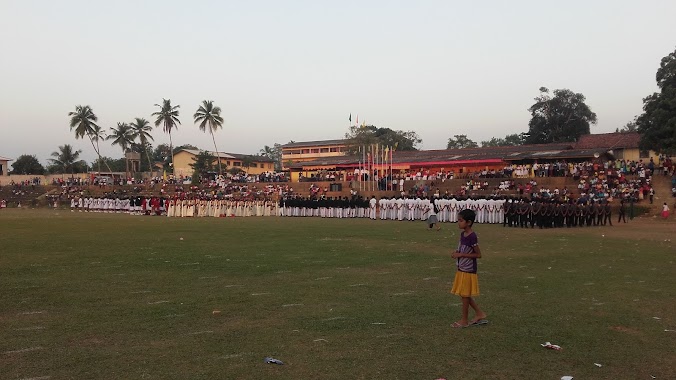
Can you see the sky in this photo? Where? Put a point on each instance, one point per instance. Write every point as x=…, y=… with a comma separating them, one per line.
x=295, y=70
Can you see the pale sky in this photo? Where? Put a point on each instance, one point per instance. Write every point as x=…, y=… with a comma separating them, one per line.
x=295, y=70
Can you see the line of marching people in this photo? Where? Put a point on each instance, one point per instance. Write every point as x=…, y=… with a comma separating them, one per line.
x=220, y=208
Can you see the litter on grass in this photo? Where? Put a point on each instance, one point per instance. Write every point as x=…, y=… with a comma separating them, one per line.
x=551, y=346
x=598, y=365
x=271, y=360
x=566, y=377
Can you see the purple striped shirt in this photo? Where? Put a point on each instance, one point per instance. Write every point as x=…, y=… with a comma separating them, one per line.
x=466, y=245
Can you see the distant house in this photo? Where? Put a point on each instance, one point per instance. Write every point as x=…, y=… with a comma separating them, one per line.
x=4, y=166
x=258, y=164
x=620, y=145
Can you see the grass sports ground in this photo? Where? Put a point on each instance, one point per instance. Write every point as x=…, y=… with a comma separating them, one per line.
x=113, y=296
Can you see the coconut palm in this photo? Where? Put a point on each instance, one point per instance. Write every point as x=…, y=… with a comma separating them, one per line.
x=66, y=158
x=83, y=121
x=141, y=129
x=123, y=136
x=209, y=116
x=168, y=117
x=97, y=135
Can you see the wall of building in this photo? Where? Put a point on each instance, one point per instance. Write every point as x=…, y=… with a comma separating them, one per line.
x=183, y=160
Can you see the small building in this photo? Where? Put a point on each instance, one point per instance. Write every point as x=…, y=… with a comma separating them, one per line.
x=4, y=166
x=257, y=164
x=295, y=152
x=620, y=145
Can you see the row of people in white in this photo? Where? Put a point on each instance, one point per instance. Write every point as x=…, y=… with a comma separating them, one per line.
x=87, y=204
x=487, y=210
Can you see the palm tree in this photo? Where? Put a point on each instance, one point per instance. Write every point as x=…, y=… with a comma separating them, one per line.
x=209, y=116
x=66, y=158
x=141, y=130
x=83, y=120
x=168, y=117
x=123, y=136
x=267, y=152
x=97, y=135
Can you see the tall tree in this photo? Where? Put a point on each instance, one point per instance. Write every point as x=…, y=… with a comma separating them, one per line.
x=631, y=126
x=515, y=139
x=203, y=163
x=274, y=153
x=168, y=117
x=209, y=117
x=563, y=117
x=365, y=135
x=460, y=142
x=509, y=140
x=27, y=164
x=97, y=135
x=122, y=136
x=657, y=124
x=66, y=159
x=83, y=121
x=141, y=131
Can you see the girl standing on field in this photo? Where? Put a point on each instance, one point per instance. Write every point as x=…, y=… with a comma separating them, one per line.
x=665, y=210
x=466, y=282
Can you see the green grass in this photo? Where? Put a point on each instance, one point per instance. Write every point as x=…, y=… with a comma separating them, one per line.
x=101, y=296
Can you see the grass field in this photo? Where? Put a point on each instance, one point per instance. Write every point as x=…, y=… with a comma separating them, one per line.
x=109, y=296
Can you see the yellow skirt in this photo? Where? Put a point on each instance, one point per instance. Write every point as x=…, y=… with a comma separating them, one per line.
x=465, y=284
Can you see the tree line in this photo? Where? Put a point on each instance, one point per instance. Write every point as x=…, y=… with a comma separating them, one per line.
x=556, y=116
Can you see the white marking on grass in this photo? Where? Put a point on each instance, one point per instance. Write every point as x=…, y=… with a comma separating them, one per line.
x=37, y=378
x=397, y=263
x=24, y=350
x=142, y=292
x=201, y=332
x=531, y=277
x=435, y=267
x=292, y=304
x=384, y=272
x=32, y=312
x=321, y=340
x=32, y=328
x=233, y=286
x=157, y=302
x=332, y=319
x=429, y=278
x=283, y=271
x=387, y=335
x=666, y=330
x=322, y=278
x=231, y=356
x=208, y=278
x=189, y=264
x=657, y=318
x=353, y=285
x=319, y=261
x=259, y=294
x=343, y=268
x=377, y=323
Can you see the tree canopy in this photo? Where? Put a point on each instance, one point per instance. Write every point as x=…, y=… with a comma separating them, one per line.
x=27, y=164
x=460, y=142
x=209, y=117
x=365, y=135
x=274, y=153
x=67, y=160
x=657, y=124
x=509, y=140
x=563, y=117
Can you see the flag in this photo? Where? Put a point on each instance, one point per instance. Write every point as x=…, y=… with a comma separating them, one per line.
x=350, y=119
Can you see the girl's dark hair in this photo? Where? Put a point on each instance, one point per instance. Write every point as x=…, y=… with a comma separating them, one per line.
x=468, y=215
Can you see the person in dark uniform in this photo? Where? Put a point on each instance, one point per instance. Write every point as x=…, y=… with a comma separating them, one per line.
x=589, y=213
x=622, y=212
x=599, y=213
x=607, y=217
x=507, y=206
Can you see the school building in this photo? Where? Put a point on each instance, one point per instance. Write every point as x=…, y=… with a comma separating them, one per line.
x=604, y=146
x=4, y=166
x=298, y=152
x=250, y=164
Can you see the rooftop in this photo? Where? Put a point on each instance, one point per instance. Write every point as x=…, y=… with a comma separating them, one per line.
x=230, y=156
x=314, y=143
x=607, y=141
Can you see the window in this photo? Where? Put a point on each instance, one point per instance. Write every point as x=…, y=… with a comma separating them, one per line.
x=334, y=149
x=324, y=150
x=227, y=163
x=236, y=163
x=644, y=154
x=254, y=165
x=305, y=151
x=314, y=150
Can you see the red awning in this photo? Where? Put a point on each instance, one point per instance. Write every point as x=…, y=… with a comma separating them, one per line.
x=458, y=162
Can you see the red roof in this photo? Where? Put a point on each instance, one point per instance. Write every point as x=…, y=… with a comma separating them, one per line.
x=609, y=141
